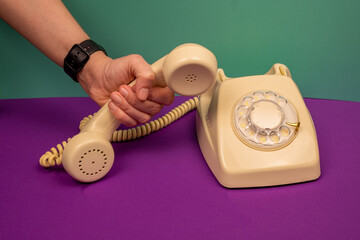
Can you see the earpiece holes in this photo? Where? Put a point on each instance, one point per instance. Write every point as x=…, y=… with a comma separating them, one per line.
x=191, y=78
x=92, y=159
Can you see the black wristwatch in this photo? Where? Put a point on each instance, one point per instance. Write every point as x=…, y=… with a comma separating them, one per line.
x=78, y=56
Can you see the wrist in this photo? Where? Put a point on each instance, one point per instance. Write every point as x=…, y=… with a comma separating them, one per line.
x=93, y=69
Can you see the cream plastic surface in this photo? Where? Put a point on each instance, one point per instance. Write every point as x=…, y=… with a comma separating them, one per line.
x=253, y=131
x=189, y=69
x=237, y=164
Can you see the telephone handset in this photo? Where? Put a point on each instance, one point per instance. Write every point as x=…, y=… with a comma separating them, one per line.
x=248, y=128
x=189, y=69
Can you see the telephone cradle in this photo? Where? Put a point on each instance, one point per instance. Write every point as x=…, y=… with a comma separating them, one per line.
x=253, y=131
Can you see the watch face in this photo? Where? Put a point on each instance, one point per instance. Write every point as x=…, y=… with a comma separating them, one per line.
x=76, y=58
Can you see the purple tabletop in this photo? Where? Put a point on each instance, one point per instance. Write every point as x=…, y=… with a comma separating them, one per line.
x=160, y=186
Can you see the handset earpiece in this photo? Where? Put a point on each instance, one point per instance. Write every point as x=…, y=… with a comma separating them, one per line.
x=189, y=70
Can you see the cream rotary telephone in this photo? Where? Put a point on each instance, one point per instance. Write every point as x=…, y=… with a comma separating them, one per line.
x=256, y=131
x=248, y=128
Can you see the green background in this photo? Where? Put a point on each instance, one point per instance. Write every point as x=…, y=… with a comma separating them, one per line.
x=319, y=40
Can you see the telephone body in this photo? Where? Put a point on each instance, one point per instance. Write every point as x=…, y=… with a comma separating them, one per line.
x=257, y=131
x=248, y=128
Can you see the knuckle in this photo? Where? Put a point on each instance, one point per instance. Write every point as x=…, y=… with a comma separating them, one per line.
x=155, y=109
x=119, y=115
x=126, y=120
x=122, y=116
x=136, y=57
x=148, y=75
x=129, y=123
x=152, y=95
x=126, y=107
x=145, y=118
x=169, y=99
x=131, y=99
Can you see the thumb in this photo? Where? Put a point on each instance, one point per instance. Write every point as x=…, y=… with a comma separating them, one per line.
x=144, y=76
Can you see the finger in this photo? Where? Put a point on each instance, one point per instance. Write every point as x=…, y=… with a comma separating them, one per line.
x=143, y=74
x=148, y=107
x=160, y=95
x=121, y=102
x=121, y=115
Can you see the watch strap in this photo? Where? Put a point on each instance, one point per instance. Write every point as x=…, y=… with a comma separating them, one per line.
x=78, y=56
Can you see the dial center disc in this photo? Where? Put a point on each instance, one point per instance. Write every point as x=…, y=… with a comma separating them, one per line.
x=266, y=114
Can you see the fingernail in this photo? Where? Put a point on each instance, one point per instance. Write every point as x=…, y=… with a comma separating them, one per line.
x=116, y=98
x=123, y=92
x=112, y=106
x=143, y=94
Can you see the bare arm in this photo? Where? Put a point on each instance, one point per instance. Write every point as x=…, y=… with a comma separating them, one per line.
x=47, y=24
x=50, y=27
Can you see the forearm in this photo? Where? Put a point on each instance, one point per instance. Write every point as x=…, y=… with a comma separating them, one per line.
x=47, y=24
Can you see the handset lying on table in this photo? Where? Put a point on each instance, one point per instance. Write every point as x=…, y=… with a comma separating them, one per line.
x=189, y=70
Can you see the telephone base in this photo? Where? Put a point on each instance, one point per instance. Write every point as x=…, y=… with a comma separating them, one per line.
x=245, y=178
x=268, y=155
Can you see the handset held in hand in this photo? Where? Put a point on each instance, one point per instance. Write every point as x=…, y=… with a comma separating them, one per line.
x=189, y=70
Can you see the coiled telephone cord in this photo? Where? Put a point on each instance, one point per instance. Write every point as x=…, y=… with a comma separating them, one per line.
x=54, y=156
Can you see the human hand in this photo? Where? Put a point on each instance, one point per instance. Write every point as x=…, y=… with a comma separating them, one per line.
x=105, y=79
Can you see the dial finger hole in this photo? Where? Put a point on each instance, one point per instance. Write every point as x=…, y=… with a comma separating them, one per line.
x=250, y=131
x=274, y=137
x=248, y=101
x=241, y=111
x=281, y=101
x=270, y=95
x=284, y=131
x=258, y=95
x=261, y=137
x=242, y=123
